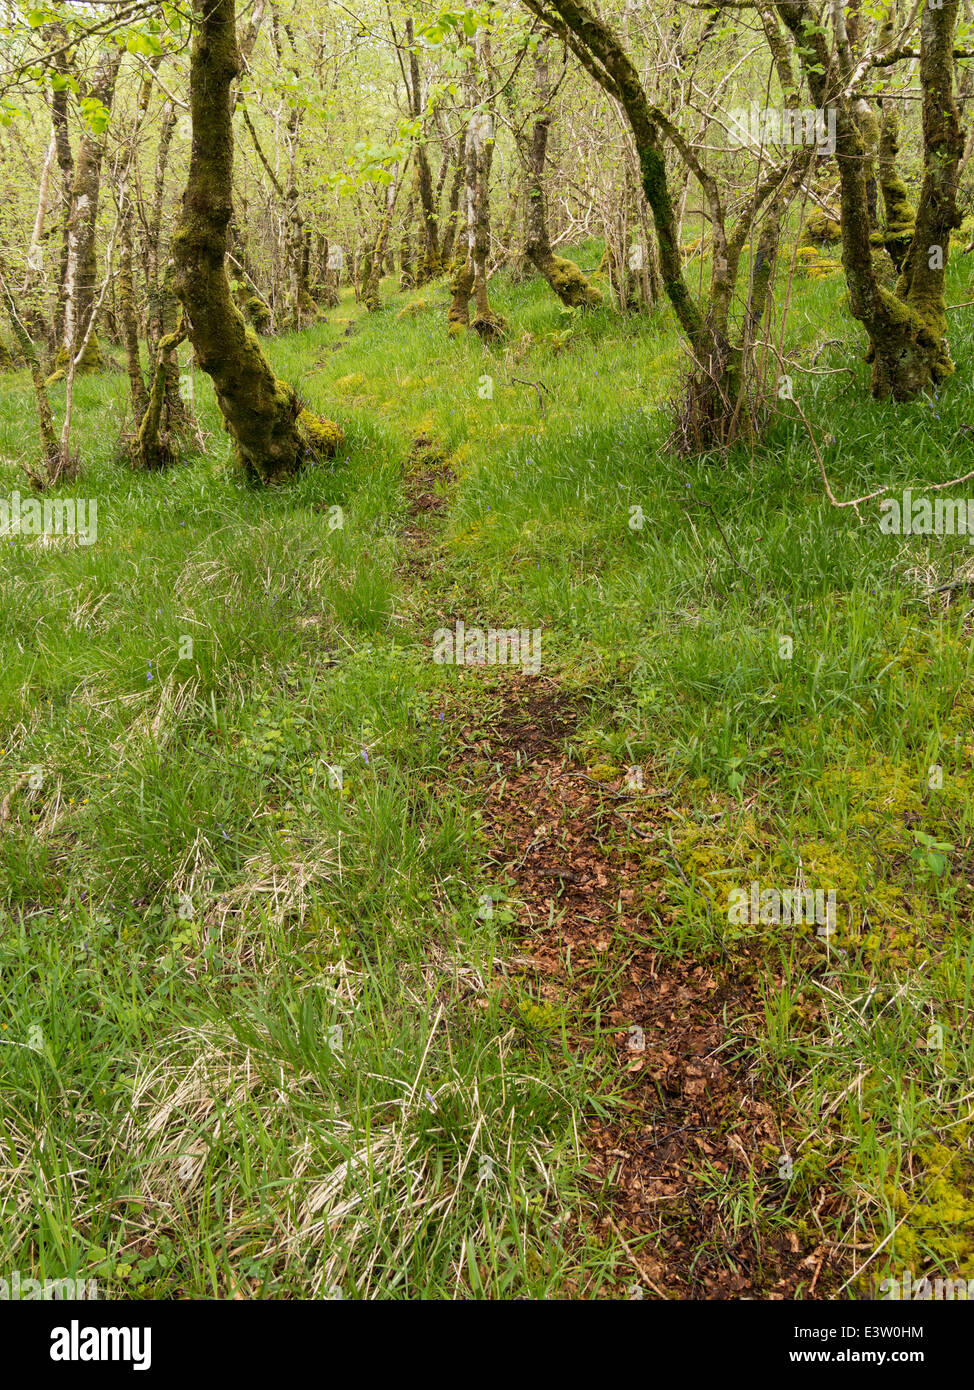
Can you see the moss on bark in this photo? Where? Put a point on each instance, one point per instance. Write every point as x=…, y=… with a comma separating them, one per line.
x=153, y=449
x=128, y=315
x=261, y=413
x=907, y=327
x=564, y=277
x=81, y=272
x=54, y=463
x=900, y=223
x=92, y=360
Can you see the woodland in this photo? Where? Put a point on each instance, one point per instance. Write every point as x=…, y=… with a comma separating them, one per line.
x=486, y=688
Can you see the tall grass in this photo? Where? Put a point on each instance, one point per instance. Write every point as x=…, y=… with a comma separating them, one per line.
x=251, y=1032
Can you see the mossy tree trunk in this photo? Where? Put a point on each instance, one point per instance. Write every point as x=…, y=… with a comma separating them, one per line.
x=330, y=277
x=161, y=303
x=33, y=276
x=128, y=313
x=152, y=247
x=299, y=303
x=65, y=159
x=429, y=263
x=80, y=281
x=272, y=433
x=153, y=447
x=372, y=269
x=906, y=328
x=470, y=277
x=564, y=277
x=453, y=212
x=407, y=274
x=50, y=447
x=713, y=412
x=900, y=217
x=301, y=307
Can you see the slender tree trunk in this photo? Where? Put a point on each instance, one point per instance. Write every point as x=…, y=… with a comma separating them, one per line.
x=429, y=265
x=32, y=318
x=906, y=329
x=900, y=219
x=127, y=309
x=65, y=159
x=152, y=243
x=564, y=277
x=453, y=213
x=330, y=275
x=470, y=279
x=81, y=276
x=372, y=272
x=407, y=276
x=272, y=433
x=153, y=447
x=50, y=448
x=301, y=306
x=161, y=303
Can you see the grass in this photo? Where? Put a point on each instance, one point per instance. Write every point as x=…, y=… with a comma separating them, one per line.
x=252, y=1037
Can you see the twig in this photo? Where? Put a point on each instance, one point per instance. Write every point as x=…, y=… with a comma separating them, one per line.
x=855, y=502
x=727, y=545
x=829, y=342
x=636, y=795
x=637, y=1263
x=539, y=386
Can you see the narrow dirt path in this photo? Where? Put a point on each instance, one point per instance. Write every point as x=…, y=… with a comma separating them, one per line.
x=575, y=856
x=693, y=1116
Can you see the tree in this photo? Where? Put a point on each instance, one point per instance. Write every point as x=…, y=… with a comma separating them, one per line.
x=429, y=264
x=80, y=274
x=906, y=326
x=274, y=435
x=470, y=277
x=716, y=408
x=564, y=277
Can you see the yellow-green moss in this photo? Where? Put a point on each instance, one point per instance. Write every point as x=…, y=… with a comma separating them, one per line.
x=257, y=313
x=322, y=437
x=91, y=361
x=570, y=285
x=822, y=229
x=415, y=306
x=544, y=1017
x=936, y=1214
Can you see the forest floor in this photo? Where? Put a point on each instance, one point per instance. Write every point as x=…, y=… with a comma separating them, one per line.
x=331, y=970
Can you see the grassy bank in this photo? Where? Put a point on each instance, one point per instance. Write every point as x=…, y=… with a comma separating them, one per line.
x=259, y=1032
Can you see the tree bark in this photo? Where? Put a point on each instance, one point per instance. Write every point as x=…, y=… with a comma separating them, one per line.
x=906, y=328
x=470, y=279
x=65, y=159
x=50, y=446
x=127, y=310
x=429, y=265
x=453, y=213
x=272, y=433
x=564, y=277
x=374, y=259
x=81, y=274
